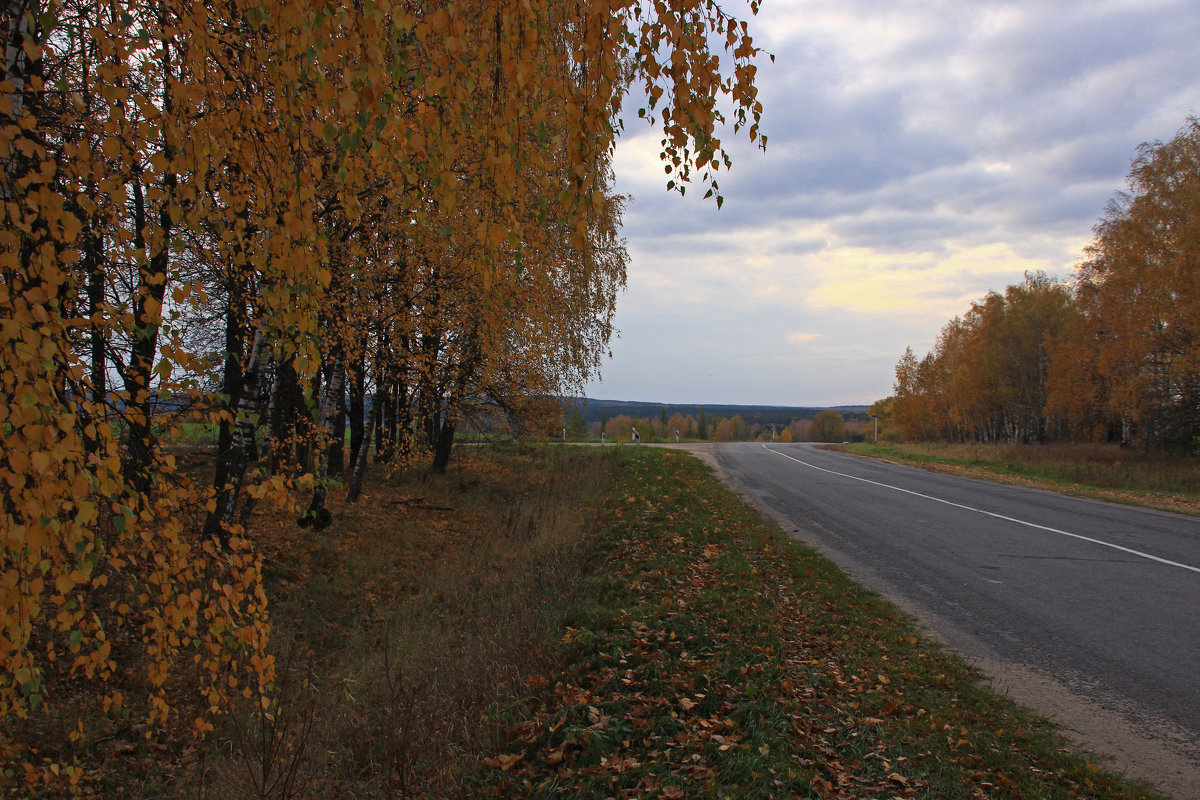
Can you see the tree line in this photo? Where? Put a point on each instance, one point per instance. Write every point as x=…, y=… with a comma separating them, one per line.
x=825, y=426
x=1110, y=357
x=300, y=222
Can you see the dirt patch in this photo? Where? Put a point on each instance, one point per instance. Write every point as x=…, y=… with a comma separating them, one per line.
x=701, y=450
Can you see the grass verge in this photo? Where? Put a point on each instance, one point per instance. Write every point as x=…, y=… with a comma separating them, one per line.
x=712, y=656
x=1100, y=472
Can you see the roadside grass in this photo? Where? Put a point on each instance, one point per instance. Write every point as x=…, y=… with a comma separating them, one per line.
x=712, y=656
x=408, y=630
x=578, y=622
x=1103, y=472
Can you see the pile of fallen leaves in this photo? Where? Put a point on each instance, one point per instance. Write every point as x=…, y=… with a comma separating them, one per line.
x=716, y=658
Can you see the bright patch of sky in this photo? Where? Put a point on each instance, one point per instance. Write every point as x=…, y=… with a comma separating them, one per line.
x=920, y=154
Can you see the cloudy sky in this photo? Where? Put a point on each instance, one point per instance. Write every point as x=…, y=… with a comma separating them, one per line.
x=920, y=154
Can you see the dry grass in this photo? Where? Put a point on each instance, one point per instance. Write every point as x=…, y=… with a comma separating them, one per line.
x=406, y=627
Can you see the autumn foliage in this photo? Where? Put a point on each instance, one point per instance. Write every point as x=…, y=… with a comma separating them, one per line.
x=1129, y=368
x=986, y=379
x=271, y=218
x=1111, y=358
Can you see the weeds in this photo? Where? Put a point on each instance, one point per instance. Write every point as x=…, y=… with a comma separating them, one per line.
x=419, y=615
x=268, y=748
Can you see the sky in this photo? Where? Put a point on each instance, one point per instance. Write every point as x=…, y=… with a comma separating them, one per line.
x=920, y=154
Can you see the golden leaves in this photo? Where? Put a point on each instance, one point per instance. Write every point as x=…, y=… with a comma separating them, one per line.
x=310, y=152
x=73, y=530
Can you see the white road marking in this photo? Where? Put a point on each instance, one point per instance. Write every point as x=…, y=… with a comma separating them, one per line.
x=1138, y=553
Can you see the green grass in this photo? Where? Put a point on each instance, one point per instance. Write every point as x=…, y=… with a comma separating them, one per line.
x=192, y=435
x=712, y=656
x=1101, y=471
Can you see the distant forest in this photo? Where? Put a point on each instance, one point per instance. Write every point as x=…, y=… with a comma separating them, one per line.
x=597, y=410
x=616, y=419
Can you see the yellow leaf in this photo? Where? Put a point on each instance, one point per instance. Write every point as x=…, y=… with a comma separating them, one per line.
x=41, y=461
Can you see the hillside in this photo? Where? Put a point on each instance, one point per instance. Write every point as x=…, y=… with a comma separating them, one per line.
x=595, y=410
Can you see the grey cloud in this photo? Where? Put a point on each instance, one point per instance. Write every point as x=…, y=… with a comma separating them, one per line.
x=797, y=247
x=981, y=123
x=897, y=230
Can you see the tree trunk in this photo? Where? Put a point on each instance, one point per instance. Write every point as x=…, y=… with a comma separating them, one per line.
x=357, y=409
x=147, y=321
x=443, y=444
x=265, y=459
x=97, y=340
x=233, y=381
x=317, y=516
x=402, y=422
x=283, y=417
x=360, y=463
x=306, y=450
x=384, y=423
x=336, y=456
x=241, y=448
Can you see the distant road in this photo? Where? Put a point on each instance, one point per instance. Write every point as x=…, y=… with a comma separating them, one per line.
x=1087, y=611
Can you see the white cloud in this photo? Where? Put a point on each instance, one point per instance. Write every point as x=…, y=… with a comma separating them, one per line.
x=801, y=337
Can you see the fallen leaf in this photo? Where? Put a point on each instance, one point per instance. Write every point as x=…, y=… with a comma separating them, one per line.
x=508, y=761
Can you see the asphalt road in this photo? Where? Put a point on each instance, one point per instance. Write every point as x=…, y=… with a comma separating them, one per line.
x=1100, y=600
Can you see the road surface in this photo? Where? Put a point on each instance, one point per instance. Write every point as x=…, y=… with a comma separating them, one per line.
x=1088, y=612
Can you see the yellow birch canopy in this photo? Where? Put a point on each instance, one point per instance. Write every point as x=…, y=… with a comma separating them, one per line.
x=201, y=197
